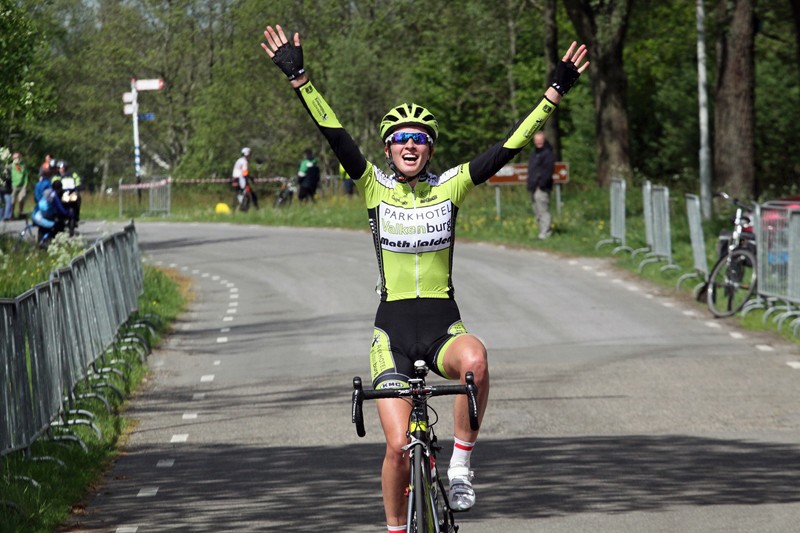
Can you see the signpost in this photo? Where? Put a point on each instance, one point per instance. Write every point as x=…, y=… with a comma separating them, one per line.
x=131, y=107
x=517, y=174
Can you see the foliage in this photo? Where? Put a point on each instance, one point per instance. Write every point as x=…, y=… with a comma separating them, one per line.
x=365, y=56
x=24, y=93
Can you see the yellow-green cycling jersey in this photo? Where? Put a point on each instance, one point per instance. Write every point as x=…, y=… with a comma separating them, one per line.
x=414, y=229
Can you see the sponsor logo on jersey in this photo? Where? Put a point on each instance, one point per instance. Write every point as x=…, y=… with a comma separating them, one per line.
x=422, y=229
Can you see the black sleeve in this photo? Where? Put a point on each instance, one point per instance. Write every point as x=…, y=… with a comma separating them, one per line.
x=341, y=142
x=489, y=162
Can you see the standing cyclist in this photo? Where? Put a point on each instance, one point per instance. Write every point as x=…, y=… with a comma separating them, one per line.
x=412, y=215
x=241, y=177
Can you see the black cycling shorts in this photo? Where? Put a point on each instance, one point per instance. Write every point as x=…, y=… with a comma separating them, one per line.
x=410, y=330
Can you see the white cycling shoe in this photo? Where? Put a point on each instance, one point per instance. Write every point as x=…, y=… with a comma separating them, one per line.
x=461, y=494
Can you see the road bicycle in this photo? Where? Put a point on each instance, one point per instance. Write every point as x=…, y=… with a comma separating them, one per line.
x=285, y=193
x=428, y=508
x=732, y=281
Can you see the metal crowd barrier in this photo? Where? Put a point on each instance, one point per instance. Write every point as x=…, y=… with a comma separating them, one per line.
x=778, y=262
x=617, y=191
x=698, y=240
x=647, y=208
x=662, y=235
x=59, y=333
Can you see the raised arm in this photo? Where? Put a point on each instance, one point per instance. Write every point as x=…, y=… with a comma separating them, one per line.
x=567, y=72
x=288, y=56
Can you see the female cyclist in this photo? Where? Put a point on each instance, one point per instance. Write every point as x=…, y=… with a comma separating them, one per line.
x=412, y=213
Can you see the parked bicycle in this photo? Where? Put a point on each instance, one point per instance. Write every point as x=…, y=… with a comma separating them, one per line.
x=285, y=193
x=428, y=508
x=732, y=281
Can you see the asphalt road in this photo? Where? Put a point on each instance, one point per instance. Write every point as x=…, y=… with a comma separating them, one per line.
x=613, y=408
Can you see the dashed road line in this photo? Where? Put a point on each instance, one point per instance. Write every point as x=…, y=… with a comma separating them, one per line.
x=222, y=340
x=199, y=396
x=764, y=348
x=794, y=364
x=736, y=335
x=207, y=378
x=189, y=416
x=147, y=492
x=165, y=463
x=180, y=437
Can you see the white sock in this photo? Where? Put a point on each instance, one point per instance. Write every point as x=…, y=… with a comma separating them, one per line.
x=395, y=528
x=461, y=452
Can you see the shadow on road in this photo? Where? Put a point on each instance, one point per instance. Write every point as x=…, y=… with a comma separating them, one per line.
x=307, y=489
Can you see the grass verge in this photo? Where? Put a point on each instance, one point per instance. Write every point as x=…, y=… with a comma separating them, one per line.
x=501, y=216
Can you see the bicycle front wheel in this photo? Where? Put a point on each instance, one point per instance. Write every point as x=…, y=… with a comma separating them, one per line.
x=421, y=513
x=732, y=282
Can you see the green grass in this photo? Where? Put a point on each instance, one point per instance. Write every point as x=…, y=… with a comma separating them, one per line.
x=63, y=479
x=579, y=225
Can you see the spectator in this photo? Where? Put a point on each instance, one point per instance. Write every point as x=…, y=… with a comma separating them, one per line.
x=240, y=178
x=5, y=193
x=540, y=181
x=19, y=184
x=308, y=177
x=50, y=214
x=47, y=169
x=43, y=184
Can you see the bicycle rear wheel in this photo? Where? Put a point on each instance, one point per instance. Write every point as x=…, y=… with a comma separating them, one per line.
x=732, y=282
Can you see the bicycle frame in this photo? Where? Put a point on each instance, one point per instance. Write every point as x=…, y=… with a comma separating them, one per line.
x=428, y=511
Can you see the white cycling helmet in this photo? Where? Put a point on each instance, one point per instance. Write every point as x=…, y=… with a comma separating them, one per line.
x=246, y=151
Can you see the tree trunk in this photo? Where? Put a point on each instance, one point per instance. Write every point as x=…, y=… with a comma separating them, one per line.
x=734, y=111
x=602, y=27
x=551, y=53
x=796, y=17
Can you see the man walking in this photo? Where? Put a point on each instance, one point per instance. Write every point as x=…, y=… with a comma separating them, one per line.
x=540, y=182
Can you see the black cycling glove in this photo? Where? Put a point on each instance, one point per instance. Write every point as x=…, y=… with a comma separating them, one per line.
x=289, y=59
x=565, y=77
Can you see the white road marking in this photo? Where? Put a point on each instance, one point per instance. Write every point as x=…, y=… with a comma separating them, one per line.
x=764, y=348
x=221, y=340
x=217, y=363
x=127, y=529
x=234, y=296
x=233, y=304
x=207, y=378
x=198, y=396
x=231, y=311
x=181, y=437
x=227, y=319
x=689, y=313
x=736, y=335
x=235, y=289
x=214, y=278
x=165, y=463
x=147, y=492
x=713, y=324
x=794, y=364
x=189, y=416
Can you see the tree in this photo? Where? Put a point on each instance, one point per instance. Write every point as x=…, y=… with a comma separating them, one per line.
x=602, y=27
x=734, y=111
x=24, y=94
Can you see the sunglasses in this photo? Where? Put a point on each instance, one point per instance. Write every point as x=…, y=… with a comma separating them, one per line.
x=402, y=137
